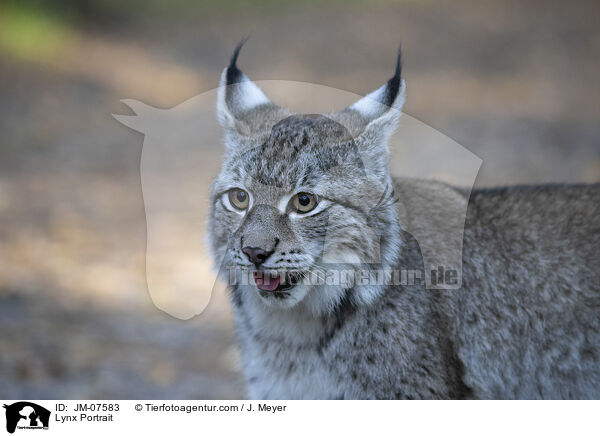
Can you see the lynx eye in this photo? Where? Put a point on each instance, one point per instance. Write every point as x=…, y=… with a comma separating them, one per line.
x=303, y=202
x=239, y=198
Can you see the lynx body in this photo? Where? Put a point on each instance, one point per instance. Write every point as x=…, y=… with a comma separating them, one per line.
x=303, y=195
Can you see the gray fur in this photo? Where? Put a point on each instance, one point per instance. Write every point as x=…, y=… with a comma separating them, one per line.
x=525, y=324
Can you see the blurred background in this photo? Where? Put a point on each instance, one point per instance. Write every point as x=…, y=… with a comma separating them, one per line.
x=516, y=82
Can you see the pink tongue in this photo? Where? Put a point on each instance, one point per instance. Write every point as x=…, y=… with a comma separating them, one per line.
x=266, y=281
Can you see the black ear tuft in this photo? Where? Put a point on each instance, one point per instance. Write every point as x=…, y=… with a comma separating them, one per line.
x=393, y=85
x=234, y=74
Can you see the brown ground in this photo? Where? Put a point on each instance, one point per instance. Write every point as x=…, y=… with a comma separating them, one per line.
x=515, y=82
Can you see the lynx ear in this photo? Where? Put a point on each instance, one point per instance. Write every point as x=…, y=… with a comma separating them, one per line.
x=380, y=110
x=373, y=119
x=242, y=108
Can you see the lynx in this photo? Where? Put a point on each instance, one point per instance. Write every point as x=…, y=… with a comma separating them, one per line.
x=302, y=195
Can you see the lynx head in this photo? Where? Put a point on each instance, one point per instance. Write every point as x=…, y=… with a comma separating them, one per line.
x=304, y=203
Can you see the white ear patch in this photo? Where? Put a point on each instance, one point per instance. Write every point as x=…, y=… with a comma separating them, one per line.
x=371, y=106
x=245, y=95
x=250, y=95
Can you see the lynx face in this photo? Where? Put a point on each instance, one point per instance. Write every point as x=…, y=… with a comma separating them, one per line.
x=302, y=196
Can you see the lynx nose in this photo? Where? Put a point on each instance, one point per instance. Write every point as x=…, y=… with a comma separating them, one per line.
x=256, y=254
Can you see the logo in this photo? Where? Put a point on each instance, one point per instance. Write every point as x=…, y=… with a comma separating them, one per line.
x=26, y=415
